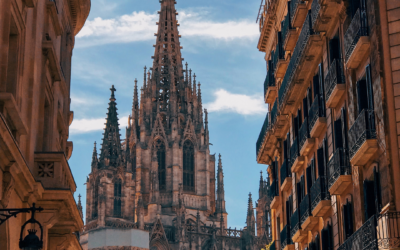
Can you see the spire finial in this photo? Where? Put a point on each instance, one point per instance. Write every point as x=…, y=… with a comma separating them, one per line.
x=112, y=93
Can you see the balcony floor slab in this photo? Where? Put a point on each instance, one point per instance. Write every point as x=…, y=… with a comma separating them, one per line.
x=298, y=164
x=276, y=202
x=281, y=68
x=308, y=145
x=299, y=236
x=309, y=223
x=290, y=247
x=271, y=94
x=340, y=185
x=365, y=153
x=287, y=184
x=318, y=128
x=322, y=208
x=359, y=52
x=336, y=95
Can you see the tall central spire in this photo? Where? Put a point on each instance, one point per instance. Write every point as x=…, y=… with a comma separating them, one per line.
x=167, y=66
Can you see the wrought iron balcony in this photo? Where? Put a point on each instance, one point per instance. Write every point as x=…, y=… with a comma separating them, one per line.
x=289, y=34
x=356, y=40
x=303, y=61
x=324, y=13
x=280, y=64
x=286, y=176
x=363, y=238
x=298, y=12
x=305, y=140
x=296, y=160
x=261, y=137
x=320, y=198
x=296, y=232
x=269, y=87
x=307, y=220
x=285, y=237
x=388, y=230
x=316, y=118
x=339, y=172
x=273, y=193
x=362, y=138
x=334, y=83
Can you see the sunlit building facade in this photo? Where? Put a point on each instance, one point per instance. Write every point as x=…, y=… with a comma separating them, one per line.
x=330, y=138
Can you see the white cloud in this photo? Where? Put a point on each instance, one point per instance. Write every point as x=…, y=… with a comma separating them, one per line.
x=237, y=103
x=141, y=26
x=80, y=126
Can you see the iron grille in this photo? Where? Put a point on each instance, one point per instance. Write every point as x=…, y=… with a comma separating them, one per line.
x=358, y=28
x=285, y=237
x=294, y=151
x=269, y=81
x=274, y=113
x=293, y=8
x=389, y=230
x=334, y=77
x=262, y=134
x=363, y=129
x=364, y=238
x=319, y=192
x=316, y=111
x=273, y=190
x=315, y=8
x=305, y=209
x=338, y=165
x=294, y=223
x=285, y=171
x=295, y=60
x=304, y=133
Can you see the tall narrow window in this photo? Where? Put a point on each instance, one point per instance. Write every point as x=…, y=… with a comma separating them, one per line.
x=188, y=166
x=117, y=198
x=160, y=148
x=95, y=193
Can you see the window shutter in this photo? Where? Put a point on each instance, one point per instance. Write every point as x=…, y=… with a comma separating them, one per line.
x=365, y=186
x=313, y=170
x=299, y=120
x=321, y=162
x=298, y=184
x=316, y=85
x=334, y=49
x=330, y=237
x=321, y=88
x=309, y=99
x=377, y=189
x=370, y=92
x=344, y=127
x=303, y=187
x=305, y=108
x=280, y=45
x=309, y=179
x=296, y=129
x=362, y=95
x=338, y=134
x=285, y=150
x=288, y=212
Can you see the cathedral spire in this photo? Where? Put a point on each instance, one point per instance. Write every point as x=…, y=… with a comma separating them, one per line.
x=94, y=157
x=220, y=188
x=250, y=221
x=135, y=105
x=111, y=148
x=79, y=205
x=261, y=188
x=206, y=132
x=194, y=85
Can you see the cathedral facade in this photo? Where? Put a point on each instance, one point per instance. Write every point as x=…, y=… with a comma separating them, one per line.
x=162, y=178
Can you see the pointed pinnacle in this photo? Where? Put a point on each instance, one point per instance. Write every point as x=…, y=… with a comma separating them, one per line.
x=113, y=93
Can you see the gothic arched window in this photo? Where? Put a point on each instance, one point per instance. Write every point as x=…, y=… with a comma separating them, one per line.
x=188, y=166
x=95, y=193
x=160, y=147
x=117, y=198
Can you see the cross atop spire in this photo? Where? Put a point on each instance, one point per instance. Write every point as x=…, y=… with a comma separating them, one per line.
x=112, y=93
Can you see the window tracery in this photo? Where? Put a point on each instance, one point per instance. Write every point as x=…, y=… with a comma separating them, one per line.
x=117, y=197
x=159, y=146
x=188, y=166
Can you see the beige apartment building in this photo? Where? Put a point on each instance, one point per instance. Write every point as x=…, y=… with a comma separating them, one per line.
x=36, y=42
x=330, y=138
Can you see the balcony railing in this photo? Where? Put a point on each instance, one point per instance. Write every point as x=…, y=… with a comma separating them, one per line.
x=269, y=81
x=305, y=209
x=285, y=237
x=316, y=111
x=285, y=27
x=263, y=11
x=262, y=134
x=285, y=171
x=273, y=190
x=294, y=223
x=362, y=130
x=274, y=113
x=293, y=8
x=315, y=8
x=334, y=77
x=295, y=60
x=363, y=238
x=337, y=166
x=358, y=28
x=319, y=192
x=304, y=133
x=388, y=230
x=294, y=152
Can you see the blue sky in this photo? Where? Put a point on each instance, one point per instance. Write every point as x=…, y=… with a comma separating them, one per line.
x=219, y=39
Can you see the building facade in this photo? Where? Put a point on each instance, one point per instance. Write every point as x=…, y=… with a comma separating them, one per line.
x=330, y=138
x=162, y=177
x=36, y=42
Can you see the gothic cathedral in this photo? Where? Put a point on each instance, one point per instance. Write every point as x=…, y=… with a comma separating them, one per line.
x=162, y=178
